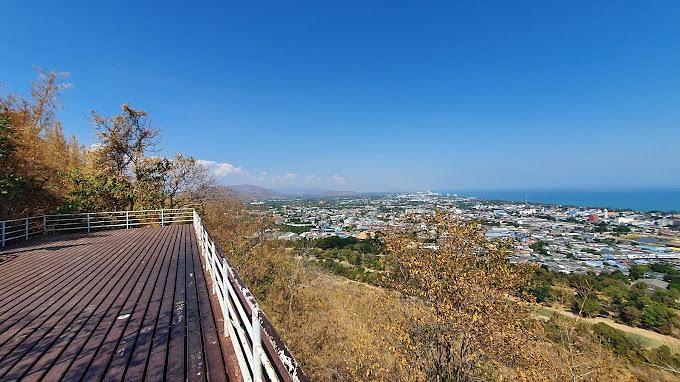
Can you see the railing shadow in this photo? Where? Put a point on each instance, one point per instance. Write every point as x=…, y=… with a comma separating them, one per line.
x=33, y=243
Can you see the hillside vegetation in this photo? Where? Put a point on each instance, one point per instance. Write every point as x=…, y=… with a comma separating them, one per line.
x=616, y=296
x=458, y=314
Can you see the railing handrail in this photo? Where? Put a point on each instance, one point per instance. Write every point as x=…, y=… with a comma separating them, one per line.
x=187, y=209
x=259, y=349
x=244, y=321
x=14, y=230
x=21, y=219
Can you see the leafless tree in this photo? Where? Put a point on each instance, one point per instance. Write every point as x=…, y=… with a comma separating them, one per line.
x=187, y=181
x=125, y=140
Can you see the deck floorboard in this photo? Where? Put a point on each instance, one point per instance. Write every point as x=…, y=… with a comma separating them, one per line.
x=114, y=305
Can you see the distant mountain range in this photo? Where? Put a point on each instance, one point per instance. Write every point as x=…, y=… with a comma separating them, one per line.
x=249, y=192
x=315, y=193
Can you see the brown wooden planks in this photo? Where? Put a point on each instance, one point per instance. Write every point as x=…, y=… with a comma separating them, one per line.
x=71, y=341
x=142, y=352
x=93, y=357
x=74, y=319
x=57, y=275
x=158, y=351
x=176, y=356
x=64, y=297
x=123, y=329
x=194, y=336
x=120, y=358
x=19, y=339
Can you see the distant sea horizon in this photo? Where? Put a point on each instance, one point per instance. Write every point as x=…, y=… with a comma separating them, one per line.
x=641, y=199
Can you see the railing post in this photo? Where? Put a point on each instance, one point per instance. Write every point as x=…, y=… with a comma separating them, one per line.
x=162, y=218
x=211, y=259
x=44, y=224
x=257, y=345
x=26, y=229
x=3, y=233
x=127, y=219
x=88, y=222
x=225, y=288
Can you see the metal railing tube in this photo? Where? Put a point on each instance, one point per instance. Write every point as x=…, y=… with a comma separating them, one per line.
x=257, y=345
x=25, y=228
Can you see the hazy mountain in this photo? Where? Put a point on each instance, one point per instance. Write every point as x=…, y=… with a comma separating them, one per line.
x=250, y=192
x=297, y=192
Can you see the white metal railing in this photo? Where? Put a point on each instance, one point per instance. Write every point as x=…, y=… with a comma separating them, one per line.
x=260, y=352
x=23, y=229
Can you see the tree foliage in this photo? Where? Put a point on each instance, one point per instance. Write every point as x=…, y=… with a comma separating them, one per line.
x=471, y=316
x=33, y=149
x=338, y=330
x=43, y=172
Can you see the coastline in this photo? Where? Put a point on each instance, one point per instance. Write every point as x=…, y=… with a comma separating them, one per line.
x=666, y=200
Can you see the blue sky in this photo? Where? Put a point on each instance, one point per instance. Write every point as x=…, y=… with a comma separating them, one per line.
x=375, y=95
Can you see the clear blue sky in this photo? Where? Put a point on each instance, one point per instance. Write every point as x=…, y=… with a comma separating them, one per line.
x=371, y=95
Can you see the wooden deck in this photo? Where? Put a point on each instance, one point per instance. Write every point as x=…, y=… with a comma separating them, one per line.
x=114, y=305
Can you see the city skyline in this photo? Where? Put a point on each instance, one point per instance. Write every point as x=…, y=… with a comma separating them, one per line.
x=370, y=97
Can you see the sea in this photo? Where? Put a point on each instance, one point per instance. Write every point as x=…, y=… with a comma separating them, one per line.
x=657, y=199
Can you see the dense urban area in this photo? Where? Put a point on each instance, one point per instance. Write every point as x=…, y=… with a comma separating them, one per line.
x=629, y=261
x=564, y=239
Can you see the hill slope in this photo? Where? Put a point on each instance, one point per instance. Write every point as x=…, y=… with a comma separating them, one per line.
x=249, y=192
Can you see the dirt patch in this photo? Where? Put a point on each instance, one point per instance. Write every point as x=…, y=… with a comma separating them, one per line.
x=654, y=337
